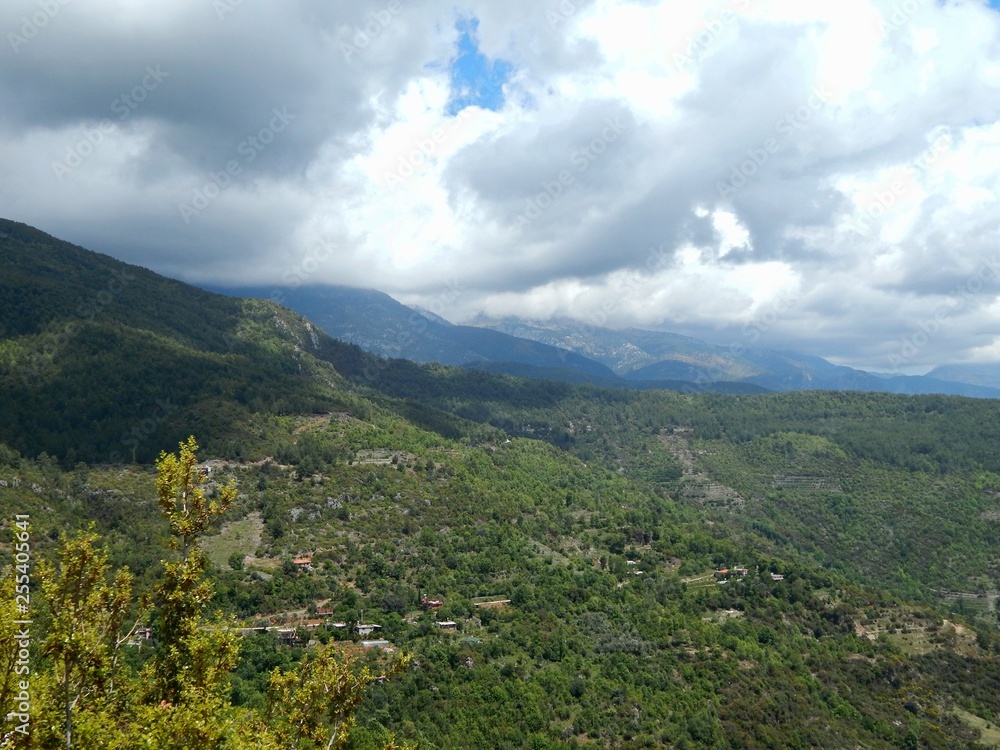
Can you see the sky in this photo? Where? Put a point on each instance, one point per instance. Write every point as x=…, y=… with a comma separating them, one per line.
x=811, y=176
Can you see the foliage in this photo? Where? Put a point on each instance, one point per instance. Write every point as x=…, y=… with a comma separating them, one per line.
x=573, y=534
x=87, y=627
x=84, y=694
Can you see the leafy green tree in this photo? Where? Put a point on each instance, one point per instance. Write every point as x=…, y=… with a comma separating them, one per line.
x=87, y=628
x=190, y=656
x=313, y=707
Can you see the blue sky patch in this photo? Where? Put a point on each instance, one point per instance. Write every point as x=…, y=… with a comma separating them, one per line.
x=475, y=79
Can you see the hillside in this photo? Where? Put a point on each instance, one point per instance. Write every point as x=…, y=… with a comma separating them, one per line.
x=980, y=374
x=901, y=491
x=639, y=355
x=381, y=325
x=107, y=362
x=575, y=536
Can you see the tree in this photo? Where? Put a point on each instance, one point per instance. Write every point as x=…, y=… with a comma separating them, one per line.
x=190, y=673
x=88, y=625
x=314, y=706
x=189, y=657
x=181, y=698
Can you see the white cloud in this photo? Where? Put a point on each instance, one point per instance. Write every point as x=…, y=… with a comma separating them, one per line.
x=868, y=205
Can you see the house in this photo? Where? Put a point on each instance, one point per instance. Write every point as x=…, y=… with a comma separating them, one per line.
x=324, y=611
x=777, y=577
x=288, y=636
x=431, y=603
x=722, y=573
x=382, y=644
x=141, y=636
x=740, y=571
x=364, y=630
x=303, y=563
x=447, y=626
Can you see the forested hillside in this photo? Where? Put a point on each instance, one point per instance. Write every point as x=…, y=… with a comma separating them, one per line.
x=567, y=566
x=902, y=491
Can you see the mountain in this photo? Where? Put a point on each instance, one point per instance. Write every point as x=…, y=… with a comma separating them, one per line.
x=986, y=375
x=104, y=361
x=639, y=355
x=381, y=325
x=614, y=568
x=564, y=375
x=622, y=351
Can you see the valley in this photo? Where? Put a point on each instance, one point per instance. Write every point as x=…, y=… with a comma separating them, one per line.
x=608, y=568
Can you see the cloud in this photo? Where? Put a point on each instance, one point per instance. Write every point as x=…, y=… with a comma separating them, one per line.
x=836, y=161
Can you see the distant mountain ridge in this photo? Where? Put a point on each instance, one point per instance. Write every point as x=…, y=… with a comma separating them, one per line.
x=642, y=355
x=379, y=324
x=576, y=352
x=982, y=374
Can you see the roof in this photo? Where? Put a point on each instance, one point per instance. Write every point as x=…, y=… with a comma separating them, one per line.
x=303, y=560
